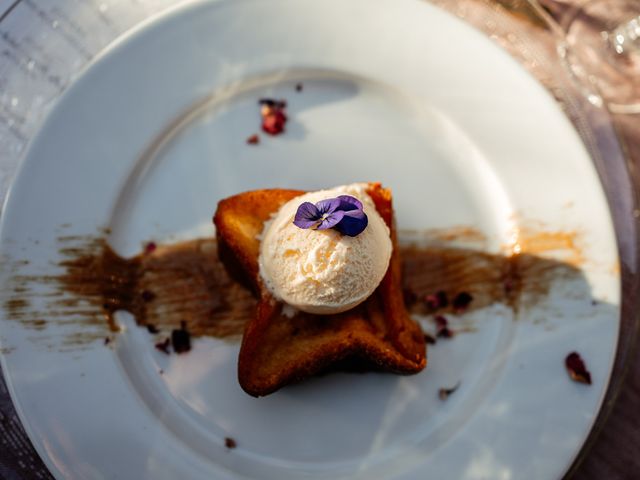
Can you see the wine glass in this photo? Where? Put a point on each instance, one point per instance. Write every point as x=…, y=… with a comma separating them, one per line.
x=602, y=49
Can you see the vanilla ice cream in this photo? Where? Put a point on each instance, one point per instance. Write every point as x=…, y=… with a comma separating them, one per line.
x=323, y=271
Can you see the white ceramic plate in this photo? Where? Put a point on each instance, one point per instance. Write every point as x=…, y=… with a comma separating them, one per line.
x=153, y=135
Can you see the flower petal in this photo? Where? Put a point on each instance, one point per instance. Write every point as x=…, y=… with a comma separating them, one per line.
x=307, y=216
x=358, y=214
x=331, y=220
x=577, y=368
x=344, y=213
x=347, y=203
x=327, y=206
x=353, y=223
x=462, y=301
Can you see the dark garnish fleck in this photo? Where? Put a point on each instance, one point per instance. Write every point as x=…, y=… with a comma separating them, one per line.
x=462, y=301
x=107, y=340
x=181, y=339
x=148, y=295
x=230, y=443
x=150, y=247
x=151, y=328
x=270, y=102
x=299, y=87
x=164, y=345
x=253, y=139
x=444, y=393
x=577, y=368
x=442, y=325
x=508, y=285
x=436, y=300
x=410, y=297
x=430, y=339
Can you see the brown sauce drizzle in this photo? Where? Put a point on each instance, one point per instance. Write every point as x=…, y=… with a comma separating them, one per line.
x=186, y=282
x=173, y=283
x=514, y=280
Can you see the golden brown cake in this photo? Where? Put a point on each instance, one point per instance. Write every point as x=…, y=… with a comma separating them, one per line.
x=279, y=349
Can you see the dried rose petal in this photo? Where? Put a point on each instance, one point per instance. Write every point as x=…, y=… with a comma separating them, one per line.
x=437, y=300
x=181, y=339
x=431, y=301
x=164, y=346
x=253, y=139
x=577, y=368
x=445, y=332
x=462, y=301
x=150, y=247
x=444, y=393
x=273, y=123
x=230, y=443
x=151, y=328
x=442, y=325
x=273, y=115
x=430, y=339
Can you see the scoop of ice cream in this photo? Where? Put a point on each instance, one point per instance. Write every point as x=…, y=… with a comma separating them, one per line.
x=324, y=271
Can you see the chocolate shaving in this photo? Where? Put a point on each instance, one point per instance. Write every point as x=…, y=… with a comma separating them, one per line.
x=577, y=368
x=107, y=340
x=230, y=443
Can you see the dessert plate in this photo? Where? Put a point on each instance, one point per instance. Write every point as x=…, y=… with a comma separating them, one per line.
x=143, y=145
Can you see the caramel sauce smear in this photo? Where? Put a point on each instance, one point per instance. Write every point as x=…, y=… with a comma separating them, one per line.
x=186, y=282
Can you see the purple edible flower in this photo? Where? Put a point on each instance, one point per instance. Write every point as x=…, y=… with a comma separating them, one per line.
x=354, y=220
x=343, y=213
x=321, y=216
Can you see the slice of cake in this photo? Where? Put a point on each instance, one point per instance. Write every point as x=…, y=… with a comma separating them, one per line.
x=327, y=276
